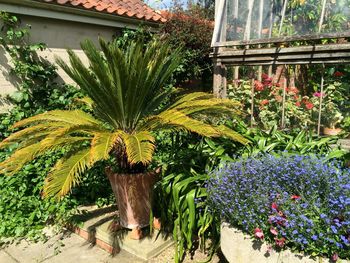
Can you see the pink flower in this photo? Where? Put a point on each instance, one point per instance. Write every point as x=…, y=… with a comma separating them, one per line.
x=264, y=76
x=258, y=233
x=274, y=231
x=295, y=197
x=318, y=94
x=274, y=206
x=335, y=257
x=280, y=242
x=298, y=104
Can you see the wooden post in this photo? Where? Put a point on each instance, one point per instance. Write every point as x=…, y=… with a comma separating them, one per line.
x=252, y=103
x=320, y=107
x=235, y=18
x=322, y=16
x=284, y=103
x=283, y=15
x=248, y=25
x=261, y=12
x=270, y=33
x=219, y=80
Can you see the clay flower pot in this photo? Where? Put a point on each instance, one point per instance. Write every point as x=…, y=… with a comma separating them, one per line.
x=331, y=131
x=133, y=193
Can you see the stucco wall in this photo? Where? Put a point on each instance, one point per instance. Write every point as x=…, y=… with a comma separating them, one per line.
x=58, y=35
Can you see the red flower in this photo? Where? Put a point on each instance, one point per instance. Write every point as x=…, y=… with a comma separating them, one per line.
x=298, y=104
x=274, y=231
x=258, y=233
x=280, y=242
x=295, y=197
x=278, y=98
x=274, y=206
x=264, y=102
x=264, y=76
x=309, y=105
x=296, y=97
x=338, y=74
x=258, y=85
x=293, y=90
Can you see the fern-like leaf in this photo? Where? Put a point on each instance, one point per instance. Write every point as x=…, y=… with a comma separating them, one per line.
x=66, y=173
x=139, y=147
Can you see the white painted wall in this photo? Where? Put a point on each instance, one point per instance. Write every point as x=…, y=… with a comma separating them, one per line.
x=58, y=35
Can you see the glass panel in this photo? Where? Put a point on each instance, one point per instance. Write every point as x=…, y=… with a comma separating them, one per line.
x=265, y=19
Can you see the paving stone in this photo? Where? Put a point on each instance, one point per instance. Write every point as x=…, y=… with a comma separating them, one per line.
x=25, y=252
x=5, y=258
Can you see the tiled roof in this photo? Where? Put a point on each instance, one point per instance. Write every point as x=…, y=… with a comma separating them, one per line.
x=127, y=8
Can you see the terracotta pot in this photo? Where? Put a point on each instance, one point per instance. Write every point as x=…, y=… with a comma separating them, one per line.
x=134, y=194
x=331, y=131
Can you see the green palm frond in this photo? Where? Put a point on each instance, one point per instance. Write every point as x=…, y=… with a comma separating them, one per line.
x=123, y=84
x=139, y=147
x=67, y=173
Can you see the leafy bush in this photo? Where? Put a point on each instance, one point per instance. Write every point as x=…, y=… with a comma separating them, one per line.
x=194, y=33
x=23, y=212
x=290, y=200
x=303, y=142
x=180, y=196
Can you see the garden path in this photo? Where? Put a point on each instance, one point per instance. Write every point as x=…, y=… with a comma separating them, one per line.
x=71, y=248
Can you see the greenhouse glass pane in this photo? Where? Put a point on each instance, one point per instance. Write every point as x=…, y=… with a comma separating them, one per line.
x=244, y=20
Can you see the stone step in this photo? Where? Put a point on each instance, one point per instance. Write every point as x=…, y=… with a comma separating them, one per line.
x=97, y=228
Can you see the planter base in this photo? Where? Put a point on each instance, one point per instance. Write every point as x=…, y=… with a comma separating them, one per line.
x=99, y=229
x=240, y=248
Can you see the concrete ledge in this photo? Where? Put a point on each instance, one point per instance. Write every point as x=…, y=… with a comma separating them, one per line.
x=238, y=247
x=98, y=228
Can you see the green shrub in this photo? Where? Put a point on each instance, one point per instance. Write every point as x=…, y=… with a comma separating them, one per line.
x=23, y=212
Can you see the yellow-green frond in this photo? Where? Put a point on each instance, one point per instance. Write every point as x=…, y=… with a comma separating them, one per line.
x=231, y=134
x=19, y=158
x=102, y=144
x=86, y=101
x=28, y=133
x=66, y=173
x=177, y=119
x=64, y=117
x=191, y=97
x=139, y=147
x=29, y=152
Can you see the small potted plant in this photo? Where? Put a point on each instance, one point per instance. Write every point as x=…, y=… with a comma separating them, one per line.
x=333, y=100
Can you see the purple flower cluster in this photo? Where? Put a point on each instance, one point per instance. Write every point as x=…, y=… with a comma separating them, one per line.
x=299, y=201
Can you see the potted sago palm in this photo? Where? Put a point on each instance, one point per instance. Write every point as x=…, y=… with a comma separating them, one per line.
x=125, y=89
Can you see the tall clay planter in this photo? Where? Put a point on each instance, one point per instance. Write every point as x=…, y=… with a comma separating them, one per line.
x=134, y=194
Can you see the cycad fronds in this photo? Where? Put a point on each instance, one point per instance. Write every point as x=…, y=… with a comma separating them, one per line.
x=66, y=173
x=125, y=91
x=139, y=147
